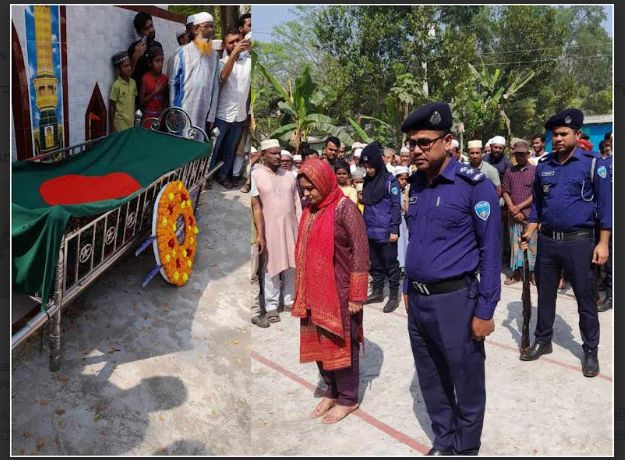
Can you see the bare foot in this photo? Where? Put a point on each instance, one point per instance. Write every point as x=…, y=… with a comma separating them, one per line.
x=324, y=405
x=338, y=413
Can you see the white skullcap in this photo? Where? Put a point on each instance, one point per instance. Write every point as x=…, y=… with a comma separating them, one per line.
x=253, y=150
x=357, y=152
x=297, y=157
x=358, y=145
x=181, y=32
x=500, y=140
x=404, y=149
x=269, y=144
x=455, y=144
x=490, y=141
x=477, y=144
x=390, y=168
x=190, y=19
x=286, y=153
x=201, y=18
x=402, y=170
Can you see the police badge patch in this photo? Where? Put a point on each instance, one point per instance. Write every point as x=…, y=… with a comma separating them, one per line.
x=394, y=190
x=546, y=188
x=602, y=172
x=482, y=209
x=435, y=118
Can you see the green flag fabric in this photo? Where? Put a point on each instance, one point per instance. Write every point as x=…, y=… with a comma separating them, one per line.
x=47, y=195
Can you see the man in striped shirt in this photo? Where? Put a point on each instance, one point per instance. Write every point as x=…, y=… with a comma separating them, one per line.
x=517, y=193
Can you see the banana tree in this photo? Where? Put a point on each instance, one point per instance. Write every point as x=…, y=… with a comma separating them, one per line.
x=501, y=91
x=301, y=118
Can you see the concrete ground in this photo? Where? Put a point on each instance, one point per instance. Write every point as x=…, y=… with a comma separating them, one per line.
x=545, y=407
x=160, y=370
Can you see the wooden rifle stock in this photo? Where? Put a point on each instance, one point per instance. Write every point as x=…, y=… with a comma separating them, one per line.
x=527, y=302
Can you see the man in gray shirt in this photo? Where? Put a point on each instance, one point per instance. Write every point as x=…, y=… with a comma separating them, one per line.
x=474, y=149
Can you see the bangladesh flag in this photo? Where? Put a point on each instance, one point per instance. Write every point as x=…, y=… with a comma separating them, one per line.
x=46, y=195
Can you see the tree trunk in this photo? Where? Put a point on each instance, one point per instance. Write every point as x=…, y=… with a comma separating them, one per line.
x=229, y=17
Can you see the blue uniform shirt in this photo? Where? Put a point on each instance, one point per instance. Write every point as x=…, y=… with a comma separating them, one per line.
x=454, y=227
x=384, y=217
x=564, y=198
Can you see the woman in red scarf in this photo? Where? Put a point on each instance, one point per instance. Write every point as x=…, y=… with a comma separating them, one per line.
x=332, y=266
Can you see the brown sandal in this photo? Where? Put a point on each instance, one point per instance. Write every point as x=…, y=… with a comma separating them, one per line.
x=272, y=316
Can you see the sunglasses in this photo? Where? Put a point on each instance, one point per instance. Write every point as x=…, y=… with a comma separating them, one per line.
x=423, y=142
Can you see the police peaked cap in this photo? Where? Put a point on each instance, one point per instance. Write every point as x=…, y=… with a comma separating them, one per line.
x=570, y=118
x=435, y=116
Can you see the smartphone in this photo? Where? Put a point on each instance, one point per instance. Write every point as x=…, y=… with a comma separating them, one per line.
x=144, y=39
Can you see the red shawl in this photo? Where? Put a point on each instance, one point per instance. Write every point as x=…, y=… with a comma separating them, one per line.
x=315, y=285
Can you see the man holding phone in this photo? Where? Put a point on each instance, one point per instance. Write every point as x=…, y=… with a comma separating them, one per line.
x=144, y=26
x=235, y=77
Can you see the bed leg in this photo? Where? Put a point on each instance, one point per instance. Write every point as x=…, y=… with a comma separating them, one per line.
x=55, y=323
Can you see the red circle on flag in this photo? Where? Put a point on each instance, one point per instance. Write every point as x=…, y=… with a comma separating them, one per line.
x=77, y=189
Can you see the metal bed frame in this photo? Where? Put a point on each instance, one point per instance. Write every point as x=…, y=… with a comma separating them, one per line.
x=89, y=248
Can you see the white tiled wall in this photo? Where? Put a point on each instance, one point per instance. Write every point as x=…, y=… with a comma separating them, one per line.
x=94, y=34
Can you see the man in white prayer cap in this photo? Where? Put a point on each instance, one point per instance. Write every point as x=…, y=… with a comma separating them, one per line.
x=474, y=148
x=496, y=157
x=194, y=78
x=277, y=209
x=455, y=149
x=286, y=162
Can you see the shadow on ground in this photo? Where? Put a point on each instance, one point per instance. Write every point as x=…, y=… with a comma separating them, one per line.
x=131, y=355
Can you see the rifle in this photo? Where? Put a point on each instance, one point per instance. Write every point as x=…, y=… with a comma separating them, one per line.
x=527, y=301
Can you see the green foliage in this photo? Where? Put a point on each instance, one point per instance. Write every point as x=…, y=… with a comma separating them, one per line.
x=504, y=69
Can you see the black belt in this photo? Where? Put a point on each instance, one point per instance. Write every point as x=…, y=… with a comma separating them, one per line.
x=578, y=234
x=442, y=287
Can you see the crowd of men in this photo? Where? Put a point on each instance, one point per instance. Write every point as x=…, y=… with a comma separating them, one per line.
x=463, y=219
x=209, y=79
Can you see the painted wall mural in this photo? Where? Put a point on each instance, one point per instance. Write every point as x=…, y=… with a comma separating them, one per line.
x=44, y=77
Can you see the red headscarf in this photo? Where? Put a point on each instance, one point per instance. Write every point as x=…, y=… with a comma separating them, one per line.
x=315, y=287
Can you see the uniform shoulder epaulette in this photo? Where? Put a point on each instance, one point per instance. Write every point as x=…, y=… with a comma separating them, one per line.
x=591, y=153
x=471, y=175
x=545, y=157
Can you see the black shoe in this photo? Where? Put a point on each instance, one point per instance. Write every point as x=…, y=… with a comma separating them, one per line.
x=392, y=303
x=590, y=363
x=376, y=296
x=605, y=304
x=260, y=321
x=535, y=351
x=439, y=452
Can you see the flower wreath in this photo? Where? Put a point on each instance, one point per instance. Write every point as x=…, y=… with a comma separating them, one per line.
x=175, y=229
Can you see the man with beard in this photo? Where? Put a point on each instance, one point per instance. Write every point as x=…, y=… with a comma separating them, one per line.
x=474, y=148
x=538, y=148
x=144, y=26
x=194, y=82
x=331, y=149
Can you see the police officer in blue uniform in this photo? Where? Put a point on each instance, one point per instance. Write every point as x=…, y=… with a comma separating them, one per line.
x=571, y=192
x=454, y=230
x=382, y=215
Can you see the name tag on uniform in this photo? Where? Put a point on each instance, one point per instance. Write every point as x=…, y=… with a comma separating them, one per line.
x=548, y=173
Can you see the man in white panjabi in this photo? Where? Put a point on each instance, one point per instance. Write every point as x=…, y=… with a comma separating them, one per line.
x=194, y=82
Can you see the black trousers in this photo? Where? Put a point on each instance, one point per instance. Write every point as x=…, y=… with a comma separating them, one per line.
x=575, y=258
x=384, y=264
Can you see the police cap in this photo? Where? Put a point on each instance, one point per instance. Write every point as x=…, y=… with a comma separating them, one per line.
x=570, y=118
x=435, y=116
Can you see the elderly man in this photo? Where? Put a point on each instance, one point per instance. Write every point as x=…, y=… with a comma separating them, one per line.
x=455, y=149
x=517, y=193
x=277, y=210
x=475, y=160
x=194, y=82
